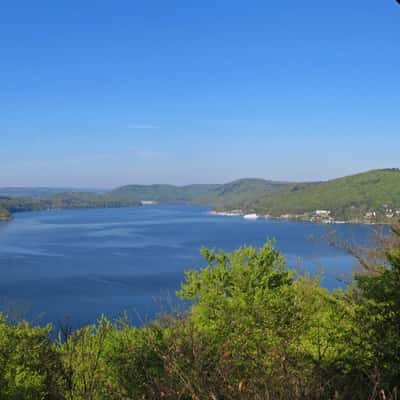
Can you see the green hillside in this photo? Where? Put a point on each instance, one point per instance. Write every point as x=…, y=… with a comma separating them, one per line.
x=241, y=193
x=162, y=193
x=237, y=193
x=347, y=198
x=350, y=198
x=41, y=192
x=62, y=201
x=234, y=194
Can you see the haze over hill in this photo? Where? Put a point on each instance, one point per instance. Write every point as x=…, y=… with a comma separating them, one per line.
x=236, y=193
x=374, y=192
x=40, y=192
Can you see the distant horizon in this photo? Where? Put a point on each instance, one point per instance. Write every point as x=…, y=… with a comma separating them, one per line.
x=104, y=188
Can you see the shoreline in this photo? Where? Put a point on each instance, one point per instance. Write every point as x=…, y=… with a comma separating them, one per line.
x=250, y=216
x=255, y=217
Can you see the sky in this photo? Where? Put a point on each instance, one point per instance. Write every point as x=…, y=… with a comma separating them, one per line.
x=105, y=93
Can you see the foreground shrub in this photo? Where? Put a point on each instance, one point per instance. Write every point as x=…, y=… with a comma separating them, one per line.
x=270, y=335
x=30, y=367
x=376, y=320
x=254, y=330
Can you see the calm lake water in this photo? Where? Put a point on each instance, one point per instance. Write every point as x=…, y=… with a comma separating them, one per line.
x=84, y=263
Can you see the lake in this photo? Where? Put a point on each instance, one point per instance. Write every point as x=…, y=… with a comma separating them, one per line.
x=84, y=263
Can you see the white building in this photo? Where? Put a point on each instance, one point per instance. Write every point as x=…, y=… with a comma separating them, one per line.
x=250, y=216
x=148, y=202
x=322, y=213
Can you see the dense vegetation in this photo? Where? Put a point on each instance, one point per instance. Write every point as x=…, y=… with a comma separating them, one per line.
x=348, y=198
x=233, y=194
x=40, y=192
x=162, y=193
x=255, y=330
x=63, y=200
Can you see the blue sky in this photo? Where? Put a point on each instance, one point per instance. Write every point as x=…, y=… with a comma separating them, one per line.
x=104, y=93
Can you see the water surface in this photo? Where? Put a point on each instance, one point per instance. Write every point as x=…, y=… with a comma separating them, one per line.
x=83, y=263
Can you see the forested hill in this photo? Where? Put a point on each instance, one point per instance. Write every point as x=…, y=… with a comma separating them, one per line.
x=375, y=193
x=163, y=193
x=351, y=197
x=234, y=194
x=238, y=193
x=42, y=192
x=61, y=201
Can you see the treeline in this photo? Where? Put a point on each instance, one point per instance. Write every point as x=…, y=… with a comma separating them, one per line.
x=348, y=198
x=352, y=198
x=64, y=201
x=235, y=194
x=255, y=330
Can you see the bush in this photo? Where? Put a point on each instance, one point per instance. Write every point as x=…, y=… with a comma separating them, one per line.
x=30, y=366
x=255, y=330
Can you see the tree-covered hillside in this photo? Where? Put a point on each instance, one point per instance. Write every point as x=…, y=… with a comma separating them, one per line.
x=62, y=201
x=41, y=192
x=162, y=193
x=375, y=193
x=347, y=198
x=241, y=192
x=233, y=194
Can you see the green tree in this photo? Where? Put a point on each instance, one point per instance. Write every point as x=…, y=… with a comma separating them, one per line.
x=265, y=330
x=30, y=368
x=376, y=320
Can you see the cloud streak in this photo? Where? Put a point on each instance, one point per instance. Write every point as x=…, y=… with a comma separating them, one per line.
x=145, y=126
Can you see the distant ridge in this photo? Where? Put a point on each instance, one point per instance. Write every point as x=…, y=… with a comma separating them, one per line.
x=40, y=192
x=375, y=193
x=348, y=198
x=236, y=193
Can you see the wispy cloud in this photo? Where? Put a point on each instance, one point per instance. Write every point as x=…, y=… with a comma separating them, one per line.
x=145, y=126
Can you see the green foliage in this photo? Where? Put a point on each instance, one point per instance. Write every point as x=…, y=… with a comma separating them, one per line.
x=237, y=193
x=234, y=194
x=376, y=299
x=61, y=201
x=275, y=331
x=29, y=365
x=348, y=198
x=39, y=192
x=255, y=330
x=234, y=283
x=136, y=365
x=85, y=370
x=162, y=193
